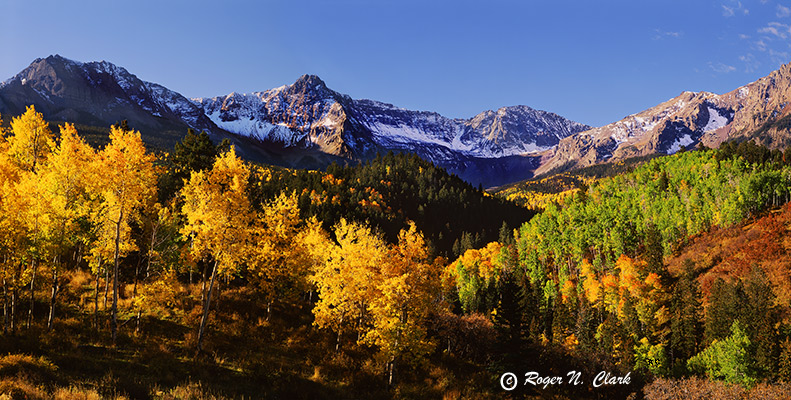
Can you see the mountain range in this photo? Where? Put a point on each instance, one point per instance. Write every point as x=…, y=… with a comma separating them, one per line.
x=759, y=110
x=308, y=125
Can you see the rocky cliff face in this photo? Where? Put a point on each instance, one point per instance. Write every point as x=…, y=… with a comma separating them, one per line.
x=305, y=114
x=761, y=110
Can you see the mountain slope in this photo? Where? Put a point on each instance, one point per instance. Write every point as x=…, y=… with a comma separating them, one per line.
x=99, y=94
x=757, y=110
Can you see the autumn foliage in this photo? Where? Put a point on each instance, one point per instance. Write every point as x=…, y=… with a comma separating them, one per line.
x=330, y=284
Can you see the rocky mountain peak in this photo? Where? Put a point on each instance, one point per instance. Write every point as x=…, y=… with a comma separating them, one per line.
x=99, y=94
x=308, y=80
x=310, y=85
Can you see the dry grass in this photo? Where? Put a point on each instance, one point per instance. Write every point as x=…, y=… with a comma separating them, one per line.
x=190, y=391
x=25, y=367
x=76, y=393
x=703, y=389
x=20, y=388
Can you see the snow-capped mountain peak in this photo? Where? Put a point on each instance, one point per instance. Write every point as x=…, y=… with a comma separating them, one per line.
x=307, y=113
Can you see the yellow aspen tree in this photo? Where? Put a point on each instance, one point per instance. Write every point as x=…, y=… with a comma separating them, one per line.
x=35, y=219
x=473, y=273
x=347, y=279
x=408, y=290
x=279, y=264
x=101, y=250
x=13, y=233
x=30, y=144
x=32, y=141
x=126, y=180
x=218, y=219
x=318, y=246
x=63, y=185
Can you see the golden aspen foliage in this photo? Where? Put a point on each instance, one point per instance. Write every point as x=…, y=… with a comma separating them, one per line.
x=629, y=271
x=218, y=213
x=280, y=260
x=474, y=272
x=9, y=171
x=590, y=283
x=161, y=296
x=348, y=277
x=317, y=243
x=568, y=291
x=409, y=289
x=219, y=220
x=64, y=182
x=14, y=206
x=125, y=178
x=31, y=141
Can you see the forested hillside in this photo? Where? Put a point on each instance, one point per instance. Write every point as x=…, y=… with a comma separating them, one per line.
x=589, y=273
x=194, y=274
x=390, y=190
x=537, y=193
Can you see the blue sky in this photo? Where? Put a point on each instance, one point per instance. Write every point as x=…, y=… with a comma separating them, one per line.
x=591, y=61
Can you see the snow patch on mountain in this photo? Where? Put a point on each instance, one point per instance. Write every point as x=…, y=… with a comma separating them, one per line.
x=256, y=129
x=716, y=120
x=404, y=134
x=685, y=140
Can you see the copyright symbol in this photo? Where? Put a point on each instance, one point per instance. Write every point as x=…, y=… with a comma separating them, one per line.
x=508, y=381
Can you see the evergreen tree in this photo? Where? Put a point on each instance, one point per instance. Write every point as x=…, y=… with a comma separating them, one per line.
x=630, y=329
x=506, y=235
x=655, y=254
x=723, y=309
x=663, y=181
x=195, y=152
x=685, y=314
x=585, y=329
x=760, y=316
x=509, y=313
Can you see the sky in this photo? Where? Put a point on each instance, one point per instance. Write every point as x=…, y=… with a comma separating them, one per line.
x=594, y=62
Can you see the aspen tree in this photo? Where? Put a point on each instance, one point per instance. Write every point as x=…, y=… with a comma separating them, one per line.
x=347, y=279
x=280, y=265
x=407, y=291
x=32, y=140
x=219, y=219
x=126, y=179
x=13, y=233
x=63, y=185
x=30, y=145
